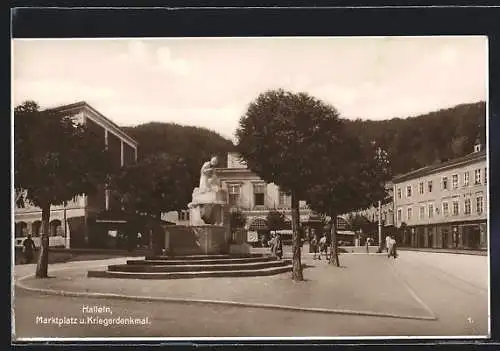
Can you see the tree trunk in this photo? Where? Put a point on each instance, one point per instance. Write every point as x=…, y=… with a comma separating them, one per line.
x=297, y=265
x=43, y=258
x=334, y=256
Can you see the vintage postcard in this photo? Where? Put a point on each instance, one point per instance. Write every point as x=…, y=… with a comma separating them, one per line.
x=259, y=188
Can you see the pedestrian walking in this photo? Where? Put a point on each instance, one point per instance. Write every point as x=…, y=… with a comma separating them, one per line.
x=387, y=243
x=139, y=239
x=314, y=246
x=28, y=249
x=392, y=248
x=323, y=246
x=271, y=244
x=278, y=247
x=368, y=242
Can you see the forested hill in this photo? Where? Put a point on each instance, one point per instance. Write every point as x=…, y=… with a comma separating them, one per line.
x=411, y=142
x=193, y=143
x=415, y=142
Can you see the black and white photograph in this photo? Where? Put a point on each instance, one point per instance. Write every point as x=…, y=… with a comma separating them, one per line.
x=250, y=188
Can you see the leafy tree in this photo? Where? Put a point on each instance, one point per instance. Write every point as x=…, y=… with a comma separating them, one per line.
x=237, y=219
x=275, y=220
x=352, y=178
x=283, y=137
x=153, y=185
x=158, y=183
x=55, y=160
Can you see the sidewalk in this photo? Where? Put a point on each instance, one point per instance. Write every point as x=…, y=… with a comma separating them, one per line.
x=449, y=251
x=365, y=284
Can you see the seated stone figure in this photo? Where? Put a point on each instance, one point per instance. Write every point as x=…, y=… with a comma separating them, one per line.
x=208, y=178
x=206, y=205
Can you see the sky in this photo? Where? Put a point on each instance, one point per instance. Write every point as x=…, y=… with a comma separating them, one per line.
x=209, y=82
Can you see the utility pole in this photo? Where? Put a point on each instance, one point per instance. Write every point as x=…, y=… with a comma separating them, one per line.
x=380, y=224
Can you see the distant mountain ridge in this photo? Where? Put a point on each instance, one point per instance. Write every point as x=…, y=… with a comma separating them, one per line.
x=438, y=136
x=412, y=142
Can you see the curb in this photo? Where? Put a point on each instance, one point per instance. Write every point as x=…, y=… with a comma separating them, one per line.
x=214, y=302
x=471, y=253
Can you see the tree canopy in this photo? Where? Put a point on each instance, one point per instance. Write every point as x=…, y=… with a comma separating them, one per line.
x=275, y=220
x=237, y=219
x=155, y=184
x=282, y=134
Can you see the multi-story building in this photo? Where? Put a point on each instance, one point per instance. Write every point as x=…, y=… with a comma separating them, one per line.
x=444, y=205
x=255, y=198
x=71, y=224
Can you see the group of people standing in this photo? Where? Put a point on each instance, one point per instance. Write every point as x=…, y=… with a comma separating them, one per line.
x=390, y=246
x=319, y=246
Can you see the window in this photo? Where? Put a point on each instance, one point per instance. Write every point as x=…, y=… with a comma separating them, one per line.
x=408, y=191
x=479, y=204
x=399, y=214
x=422, y=212
x=466, y=178
x=429, y=186
x=485, y=175
x=399, y=193
x=283, y=197
x=431, y=210
x=234, y=194
x=445, y=209
x=477, y=176
x=454, y=181
x=467, y=207
x=421, y=187
x=455, y=208
x=258, y=193
x=409, y=213
x=445, y=182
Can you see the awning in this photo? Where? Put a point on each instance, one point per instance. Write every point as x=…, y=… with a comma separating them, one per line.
x=120, y=217
x=110, y=221
x=258, y=224
x=312, y=219
x=285, y=232
x=345, y=232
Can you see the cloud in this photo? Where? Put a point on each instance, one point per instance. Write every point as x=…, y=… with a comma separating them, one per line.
x=143, y=55
x=167, y=63
x=138, y=52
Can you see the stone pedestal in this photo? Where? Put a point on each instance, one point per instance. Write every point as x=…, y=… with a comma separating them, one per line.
x=207, y=207
x=192, y=240
x=208, y=231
